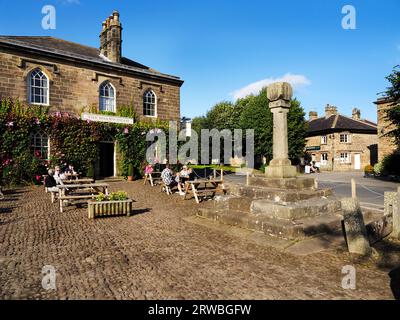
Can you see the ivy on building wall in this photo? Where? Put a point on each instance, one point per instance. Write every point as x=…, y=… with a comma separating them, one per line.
x=72, y=141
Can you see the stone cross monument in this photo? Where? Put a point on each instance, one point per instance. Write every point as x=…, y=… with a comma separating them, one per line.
x=279, y=95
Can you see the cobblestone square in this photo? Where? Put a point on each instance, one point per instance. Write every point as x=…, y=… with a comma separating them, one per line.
x=156, y=254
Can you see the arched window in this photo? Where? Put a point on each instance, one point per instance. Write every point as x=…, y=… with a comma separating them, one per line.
x=40, y=145
x=149, y=104
x=107, y=97
x=38, y=87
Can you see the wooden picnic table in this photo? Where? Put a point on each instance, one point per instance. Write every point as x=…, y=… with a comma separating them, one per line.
x=87, y=191
x=152, y=178
x=71, y=175
x=203, y=187
x=78, y=181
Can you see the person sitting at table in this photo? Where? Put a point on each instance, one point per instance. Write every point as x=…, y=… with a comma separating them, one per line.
x=184, y=175
x=148, y=169
x=58, y=175
x=70, y=170
x=167, y=177
x=51, y=182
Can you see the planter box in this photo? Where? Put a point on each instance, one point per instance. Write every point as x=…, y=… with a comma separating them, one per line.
x=109, y=208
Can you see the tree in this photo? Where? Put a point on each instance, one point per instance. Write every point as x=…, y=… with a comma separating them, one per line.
x=393, y=94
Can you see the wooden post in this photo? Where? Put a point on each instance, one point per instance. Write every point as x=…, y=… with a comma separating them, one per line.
x=247, y=178
x=215, y=173
x=222, y=174
x=353, y=189
x=316, y=184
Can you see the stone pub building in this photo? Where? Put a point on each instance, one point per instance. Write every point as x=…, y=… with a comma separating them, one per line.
x=70, y=77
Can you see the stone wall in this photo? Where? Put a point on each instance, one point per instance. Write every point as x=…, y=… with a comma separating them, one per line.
x=386, y=144
x=364, y=144
x=73, y=88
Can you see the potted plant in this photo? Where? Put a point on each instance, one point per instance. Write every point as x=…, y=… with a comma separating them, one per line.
x=369, y=171
x=130, y=172
x=116, y=203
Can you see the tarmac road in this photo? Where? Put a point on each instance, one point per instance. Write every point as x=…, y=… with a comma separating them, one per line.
x=370, y=191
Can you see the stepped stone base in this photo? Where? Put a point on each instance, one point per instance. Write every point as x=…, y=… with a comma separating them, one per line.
x=290, y=208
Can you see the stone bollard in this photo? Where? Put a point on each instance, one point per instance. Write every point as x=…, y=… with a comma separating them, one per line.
x=356, y=233
x=396, y=217
x=353, y=189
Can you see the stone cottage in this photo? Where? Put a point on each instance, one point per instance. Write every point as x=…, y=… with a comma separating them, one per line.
x=341, y=143
x=71, y=77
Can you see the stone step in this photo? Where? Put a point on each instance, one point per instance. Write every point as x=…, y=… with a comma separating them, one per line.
x=298, y=183
x=286, y=229
x=295, y=210
x=256, y=192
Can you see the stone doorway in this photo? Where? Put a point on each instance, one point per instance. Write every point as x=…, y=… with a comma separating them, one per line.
x=105, y=165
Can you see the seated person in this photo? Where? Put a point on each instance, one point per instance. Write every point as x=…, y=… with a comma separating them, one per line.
x=184, y=175
x=58, y=175
x=168, y=179
x=148, y=169
x=51, y=182
x=70, y=170
x=313, y=168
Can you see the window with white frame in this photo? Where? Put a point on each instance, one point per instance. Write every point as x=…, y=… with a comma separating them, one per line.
x=345, y=157
x=344, y=138
x=324, y=159
x=150, y=104
x=38, y=87
x=40, y=145
x=107, y=97
x=324, y=139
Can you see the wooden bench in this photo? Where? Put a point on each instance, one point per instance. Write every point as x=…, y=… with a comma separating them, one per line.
x=92, y=190
x=75, y=197
x=153, y=178
x=165, y=188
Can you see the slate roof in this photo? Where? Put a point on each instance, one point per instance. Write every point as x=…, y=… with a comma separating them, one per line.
x=71, y=50
x=337, y=123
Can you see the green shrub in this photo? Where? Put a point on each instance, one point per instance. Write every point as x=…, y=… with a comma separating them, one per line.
x=378, y=168
x=391, y=164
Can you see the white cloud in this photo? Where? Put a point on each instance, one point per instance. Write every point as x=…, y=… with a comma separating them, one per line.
x=296, y=80
x=71, y=2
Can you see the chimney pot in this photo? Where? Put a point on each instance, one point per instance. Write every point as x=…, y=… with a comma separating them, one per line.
x=330, y=110
x=356, y=114
x=313, y=115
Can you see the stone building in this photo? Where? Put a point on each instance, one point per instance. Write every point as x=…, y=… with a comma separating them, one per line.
x=341, y=143
x=386, y=144
x=70, y=77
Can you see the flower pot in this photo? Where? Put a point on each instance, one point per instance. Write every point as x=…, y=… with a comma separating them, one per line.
x=130, y=178
x=109, y=208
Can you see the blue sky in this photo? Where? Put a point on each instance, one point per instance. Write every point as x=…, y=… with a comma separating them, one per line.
x=227, y=48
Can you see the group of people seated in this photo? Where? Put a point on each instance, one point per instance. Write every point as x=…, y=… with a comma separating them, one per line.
x=55, y=177
x=173, y=179
x=313, y=167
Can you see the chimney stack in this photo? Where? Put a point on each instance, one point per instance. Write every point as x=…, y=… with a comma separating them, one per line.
x=111, y=38
x=330, y=111
x=312, y=115
x=356, y=114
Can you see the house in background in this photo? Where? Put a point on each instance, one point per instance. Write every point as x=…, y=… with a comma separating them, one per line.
x=341, y=143
x=69, y=77
x=386, y=144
